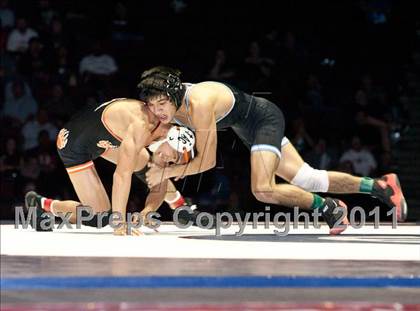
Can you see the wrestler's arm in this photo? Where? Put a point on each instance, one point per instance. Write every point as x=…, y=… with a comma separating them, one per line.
x=154, y=199
x=133, y=141
x=204, y=122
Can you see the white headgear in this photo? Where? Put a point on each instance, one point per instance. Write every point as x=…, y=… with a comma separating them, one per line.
x=179, y=138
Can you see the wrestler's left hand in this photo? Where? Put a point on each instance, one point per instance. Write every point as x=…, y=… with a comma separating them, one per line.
x=155, y=175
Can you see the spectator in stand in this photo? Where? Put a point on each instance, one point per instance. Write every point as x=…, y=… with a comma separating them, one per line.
x=97, y=63
x=59, y=106
x=97, y=71
x=293, y=56
x=121, y=27
x=364, y=116
x=19, y=104
x=34, y=61
x=254, y=57
x=256, y=66
x=62, y=67
x=11, y=162
x=314, y=96
x=34, y=64
x=56, y=37
x=7, y=16
x=120, y=21
x=32, y=129
x=271, y=43
x=300, y=138
x=221, y=70
x=3, y=38
x=45, y=13
x=19, y=37
x=46, y=155
x=319, y=157
x=363, y=162
x=7, y=61
x=30, y=170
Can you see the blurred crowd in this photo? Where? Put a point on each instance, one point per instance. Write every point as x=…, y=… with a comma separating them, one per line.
x=335, y=69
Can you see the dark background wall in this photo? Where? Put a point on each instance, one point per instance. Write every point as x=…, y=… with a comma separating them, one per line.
x=337, y=69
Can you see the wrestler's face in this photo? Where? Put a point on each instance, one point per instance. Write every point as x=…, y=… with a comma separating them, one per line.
x=165, y=155
x=162, y=107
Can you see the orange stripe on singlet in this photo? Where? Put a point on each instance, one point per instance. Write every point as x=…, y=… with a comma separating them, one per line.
x=79, y=168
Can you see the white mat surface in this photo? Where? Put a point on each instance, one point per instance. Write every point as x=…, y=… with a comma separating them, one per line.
x=367, y=243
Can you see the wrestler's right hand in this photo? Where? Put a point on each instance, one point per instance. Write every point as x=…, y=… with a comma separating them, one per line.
x=123, y=230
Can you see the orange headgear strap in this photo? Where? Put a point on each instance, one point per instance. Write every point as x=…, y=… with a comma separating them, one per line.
x=186, y=155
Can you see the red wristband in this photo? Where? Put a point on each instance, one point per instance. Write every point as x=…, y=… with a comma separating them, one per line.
x=178, y=203
x=47, y=205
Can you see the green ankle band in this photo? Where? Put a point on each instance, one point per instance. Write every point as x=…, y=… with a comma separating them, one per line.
x=318, y=201
x=366, y=185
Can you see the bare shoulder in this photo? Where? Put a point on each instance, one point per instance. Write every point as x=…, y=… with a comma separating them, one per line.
x=126, y=110
x=124, y=104
x=209, y=88
x=129, y=101
x=207, y=93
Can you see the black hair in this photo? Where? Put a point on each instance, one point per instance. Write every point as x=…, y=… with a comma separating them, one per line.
x=159, y=81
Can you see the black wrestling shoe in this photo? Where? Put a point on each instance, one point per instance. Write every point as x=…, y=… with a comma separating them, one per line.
x=333, y=219
x=32, y=199
x=185, y=216
x=388, y=190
